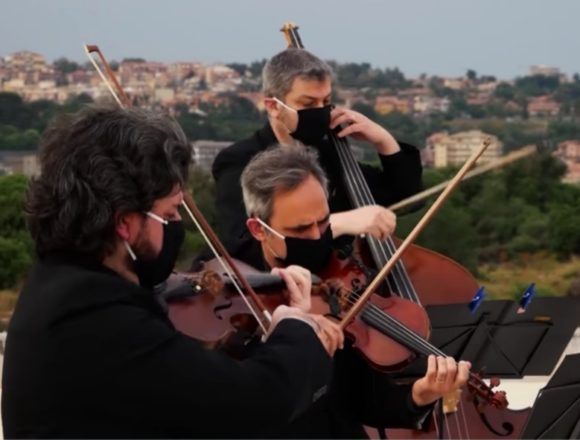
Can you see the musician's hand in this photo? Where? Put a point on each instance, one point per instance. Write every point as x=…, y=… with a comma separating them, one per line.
x=299, y=283
x=329, y=333
x=374, y=220
x=443, y=376
x=362, y=128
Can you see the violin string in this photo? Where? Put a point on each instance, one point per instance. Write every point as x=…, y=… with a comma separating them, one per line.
x=399, y=273
x=462, y=411
x=396, y=329
x=435, y=421
x=446, y=421
x=410, y=339
x=455, y=417
x=226, y=267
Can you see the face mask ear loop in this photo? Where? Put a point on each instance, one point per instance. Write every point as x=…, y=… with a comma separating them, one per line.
x=131, y=253
x=289, y=109
x=156, y=217
x=269, y=228
x=284, y=105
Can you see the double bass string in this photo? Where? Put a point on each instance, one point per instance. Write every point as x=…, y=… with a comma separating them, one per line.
x=361, y=195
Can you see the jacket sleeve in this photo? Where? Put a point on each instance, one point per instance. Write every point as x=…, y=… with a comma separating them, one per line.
x=193, y=392
x=374, y=397
x=231, y=212
x=398, y=177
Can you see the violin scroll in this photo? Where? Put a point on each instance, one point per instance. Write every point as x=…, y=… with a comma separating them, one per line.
x=480, y=390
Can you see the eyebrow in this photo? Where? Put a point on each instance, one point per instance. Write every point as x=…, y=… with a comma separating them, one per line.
x=307, y=225
x=314, y=97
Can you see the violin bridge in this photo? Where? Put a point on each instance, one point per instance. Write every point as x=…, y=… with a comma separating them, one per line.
x=451, y=401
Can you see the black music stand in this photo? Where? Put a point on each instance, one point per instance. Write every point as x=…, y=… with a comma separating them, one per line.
x=498, y=341
x=556, y=411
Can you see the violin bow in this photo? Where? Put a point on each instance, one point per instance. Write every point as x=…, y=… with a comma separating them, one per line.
x=499, y=163
x=374, y=284
x=263, y=317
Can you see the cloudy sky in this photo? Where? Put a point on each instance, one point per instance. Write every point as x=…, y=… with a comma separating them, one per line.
x=444, y=37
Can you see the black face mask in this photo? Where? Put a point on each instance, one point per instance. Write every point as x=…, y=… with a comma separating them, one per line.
x=313, y=125
x=156, y=270
x=310, y=254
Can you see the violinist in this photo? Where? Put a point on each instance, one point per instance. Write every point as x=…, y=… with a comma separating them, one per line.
x=285, y=196
x=297, y=88
x=90, y=351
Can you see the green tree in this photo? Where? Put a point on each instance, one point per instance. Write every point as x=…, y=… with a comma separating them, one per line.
x=15, y=243
x=64, y=65
x=15, y=261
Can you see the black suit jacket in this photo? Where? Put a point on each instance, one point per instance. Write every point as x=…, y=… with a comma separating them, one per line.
x=91, y=355
x=358, y=394
x=399, y=177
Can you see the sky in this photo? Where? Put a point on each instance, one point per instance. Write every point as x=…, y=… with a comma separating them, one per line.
x=437, y=37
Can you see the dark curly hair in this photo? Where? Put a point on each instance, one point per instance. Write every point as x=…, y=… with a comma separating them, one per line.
x=98, y=162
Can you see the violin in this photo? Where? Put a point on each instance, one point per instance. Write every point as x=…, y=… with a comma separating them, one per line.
x=421, y=275
x=387, y=332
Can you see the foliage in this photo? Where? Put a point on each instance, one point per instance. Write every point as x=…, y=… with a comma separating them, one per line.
x=236, y=119
x=496, y=217
x=15, y=243
x=22, y=122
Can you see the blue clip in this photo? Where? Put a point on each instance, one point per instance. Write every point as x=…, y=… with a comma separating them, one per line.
x=477, y=299
x=526, y=298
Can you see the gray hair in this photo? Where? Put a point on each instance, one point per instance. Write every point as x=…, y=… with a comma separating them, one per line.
x=279, y=73
x=281, y=168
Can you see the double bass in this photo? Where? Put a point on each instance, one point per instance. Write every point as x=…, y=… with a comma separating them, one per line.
x=428, y=278
x=422, y=276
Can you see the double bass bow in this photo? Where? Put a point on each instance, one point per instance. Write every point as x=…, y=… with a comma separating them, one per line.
x=422, y=276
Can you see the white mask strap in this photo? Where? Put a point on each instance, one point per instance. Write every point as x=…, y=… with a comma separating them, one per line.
x=131, y=253
x=269, y=228
x=283, y=105
x=156, y=217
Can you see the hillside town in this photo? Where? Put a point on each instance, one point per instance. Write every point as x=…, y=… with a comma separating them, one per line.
x=193, y=86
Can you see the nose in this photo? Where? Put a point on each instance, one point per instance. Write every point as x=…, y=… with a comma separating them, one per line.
x=314, y=233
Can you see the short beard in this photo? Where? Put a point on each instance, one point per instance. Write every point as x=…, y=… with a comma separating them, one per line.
x=143, y=248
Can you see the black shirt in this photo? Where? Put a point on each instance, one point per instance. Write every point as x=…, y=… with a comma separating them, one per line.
x=358, y=394
x=91, y=355
x=399, y=177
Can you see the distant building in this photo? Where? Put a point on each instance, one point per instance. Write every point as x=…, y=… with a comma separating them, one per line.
x=455, y=149
x=430, y=104
x=455, y=83
x=19, y=162
x=204, y=152
x=543, y=106
x=569, y=153
x=542, y=69
x=388, y=104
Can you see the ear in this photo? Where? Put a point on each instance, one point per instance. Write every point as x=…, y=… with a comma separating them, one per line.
x=256, y=229
x=126, y=225
x=272, y=107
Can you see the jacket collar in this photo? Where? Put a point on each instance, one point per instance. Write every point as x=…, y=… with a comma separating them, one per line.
x=266, y=137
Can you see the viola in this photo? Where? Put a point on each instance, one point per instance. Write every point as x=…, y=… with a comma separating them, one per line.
x=387, y=333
